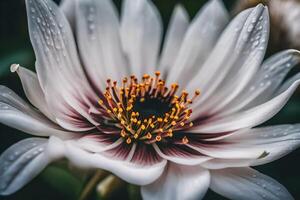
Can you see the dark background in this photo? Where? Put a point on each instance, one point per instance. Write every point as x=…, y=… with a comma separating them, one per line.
x=56, y=183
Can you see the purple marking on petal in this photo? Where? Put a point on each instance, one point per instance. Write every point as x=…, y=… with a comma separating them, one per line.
x=145, y=155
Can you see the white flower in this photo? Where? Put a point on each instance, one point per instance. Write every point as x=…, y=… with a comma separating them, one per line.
x=136, y=128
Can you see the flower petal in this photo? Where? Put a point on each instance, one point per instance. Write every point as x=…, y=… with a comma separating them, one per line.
x=141, y=32
x=241, y=42
x=251, y=49
x=180, y=154
x=99, y=41
x=98, y=143
x=62, y=79
x=199, y=41
x=176, y=31
x=68, y=8
x=131, y=172
x=246, y=184
x=248, y=118
x=33, y=90
x=267, y=80
x=178, y=182
x=250, y=147
x=18, y=114
x=20, y=163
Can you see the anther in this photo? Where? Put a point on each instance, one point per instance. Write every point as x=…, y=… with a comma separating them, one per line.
x=185, y=140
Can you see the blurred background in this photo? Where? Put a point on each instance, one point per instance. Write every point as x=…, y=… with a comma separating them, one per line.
x=56, y=182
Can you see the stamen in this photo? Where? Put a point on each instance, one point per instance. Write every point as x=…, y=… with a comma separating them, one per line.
x=185, y=140
x=120, y=105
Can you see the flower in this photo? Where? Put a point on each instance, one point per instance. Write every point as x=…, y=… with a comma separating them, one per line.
x=114, y=105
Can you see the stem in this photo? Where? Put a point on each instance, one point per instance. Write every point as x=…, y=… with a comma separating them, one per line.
x=108, y=186
x=90, y=186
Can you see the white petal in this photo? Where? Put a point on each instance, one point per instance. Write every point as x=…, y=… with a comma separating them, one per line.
x=239, y=43
x=288, y=83
x=250, y=147
x=179, y=182
x=99, y=41
x=275, y=141
x=199, y=41
x=130, y=172
x=250, y=117
x=176, y=31
x=33, y=91
x=20, y=163
x=246, y=67
x=97, y=145
x=218, y=163
x=16, y=113
x=267, y=80
x=68, y=8
x=141, y=32
x=59, y=71
x=180, y=155
x=246, y=184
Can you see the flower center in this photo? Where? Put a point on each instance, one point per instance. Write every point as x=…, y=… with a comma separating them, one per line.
x=148, y=110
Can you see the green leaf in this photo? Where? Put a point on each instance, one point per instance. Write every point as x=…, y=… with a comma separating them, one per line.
x=62, y=181
x=134, y=192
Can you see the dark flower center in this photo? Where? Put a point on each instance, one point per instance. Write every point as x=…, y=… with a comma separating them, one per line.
x=152, y=107
x=147, y=110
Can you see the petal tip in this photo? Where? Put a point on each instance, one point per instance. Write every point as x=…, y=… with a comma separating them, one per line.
x=14, y=67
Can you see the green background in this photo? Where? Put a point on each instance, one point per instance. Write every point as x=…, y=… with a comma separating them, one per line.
x=57, y=183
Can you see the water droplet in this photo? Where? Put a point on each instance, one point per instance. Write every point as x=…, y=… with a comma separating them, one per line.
x=38, y=20
x=92, y=26
x=250, y=28
x=237, y=29
x=255, y=43
x=57, y=46
x=278, y=188
x=92, y=9
x=41, y=149
x=11, y=158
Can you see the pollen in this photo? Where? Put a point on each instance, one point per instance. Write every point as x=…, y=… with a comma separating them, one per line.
x=147, y=110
